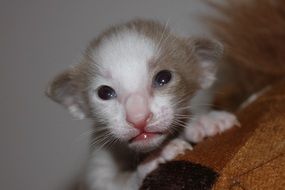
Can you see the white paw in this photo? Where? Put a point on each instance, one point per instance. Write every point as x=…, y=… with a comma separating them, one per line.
x=174, y=148
x=209, y=125
x=169, y=152
x=145, y=168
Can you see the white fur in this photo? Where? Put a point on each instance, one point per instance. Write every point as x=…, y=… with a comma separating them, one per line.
x=209, y=124
x=162, y=111
x=209, y=76
x=125, y=57
x=76, y=112
x=100, y=177
x=104, y=174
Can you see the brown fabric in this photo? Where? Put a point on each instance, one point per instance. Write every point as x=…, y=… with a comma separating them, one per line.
x=268, y=176
x=252, y=156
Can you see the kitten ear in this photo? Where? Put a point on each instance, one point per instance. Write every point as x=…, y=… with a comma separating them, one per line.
x=63, y=91
x=208, y=53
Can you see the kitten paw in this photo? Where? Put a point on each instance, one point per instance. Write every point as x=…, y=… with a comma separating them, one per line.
x=174, y=148
x=209, y=125
x=147, y=167
x=169, y=152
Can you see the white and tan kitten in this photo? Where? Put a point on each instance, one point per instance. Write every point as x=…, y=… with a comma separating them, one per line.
x=142, y=86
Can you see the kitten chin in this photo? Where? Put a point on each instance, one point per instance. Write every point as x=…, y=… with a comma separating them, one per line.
x=148, y=145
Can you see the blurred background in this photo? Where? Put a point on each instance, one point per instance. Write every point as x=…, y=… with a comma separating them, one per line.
x=42, y=146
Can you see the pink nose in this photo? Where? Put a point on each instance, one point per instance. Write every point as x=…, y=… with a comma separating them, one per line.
x=141, y=124
x=137, y=110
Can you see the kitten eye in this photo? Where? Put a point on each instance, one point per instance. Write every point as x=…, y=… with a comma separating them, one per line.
x=106, y=93
x=163, y=77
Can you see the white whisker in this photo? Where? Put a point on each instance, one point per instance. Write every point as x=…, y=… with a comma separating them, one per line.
x=162, y=35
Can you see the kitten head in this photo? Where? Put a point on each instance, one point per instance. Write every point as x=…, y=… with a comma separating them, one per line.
x=136, y=80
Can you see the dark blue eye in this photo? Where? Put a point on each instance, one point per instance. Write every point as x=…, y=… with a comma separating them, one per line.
x=106, y=93
x=162, y=77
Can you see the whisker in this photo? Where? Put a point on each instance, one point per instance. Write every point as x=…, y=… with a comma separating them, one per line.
x=171, y=130
x=183, y=117
x=100, y=139
x=175, y=128
x=180, y=123
x=112, y=142
x=107, y=142
x=180, y=114
x=162, y=35
x=177, y=102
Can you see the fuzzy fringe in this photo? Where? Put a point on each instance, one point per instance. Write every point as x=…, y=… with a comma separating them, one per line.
x=253, y=33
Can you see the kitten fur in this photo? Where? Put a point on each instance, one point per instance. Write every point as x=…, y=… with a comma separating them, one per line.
x=127, y=58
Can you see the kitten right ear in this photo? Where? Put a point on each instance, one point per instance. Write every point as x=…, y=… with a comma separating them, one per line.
x=208, y=53
x=63, y=91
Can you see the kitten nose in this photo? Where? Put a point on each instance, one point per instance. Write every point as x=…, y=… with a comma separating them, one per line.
x=137, y=111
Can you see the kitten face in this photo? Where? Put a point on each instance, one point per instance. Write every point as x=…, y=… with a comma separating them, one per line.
x=136, y=81
x=126, y=63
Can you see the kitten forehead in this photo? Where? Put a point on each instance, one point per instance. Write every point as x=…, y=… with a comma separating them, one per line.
x=124, y=57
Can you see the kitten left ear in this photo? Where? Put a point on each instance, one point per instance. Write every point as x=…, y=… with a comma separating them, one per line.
x=63, y=91
x=208, y=53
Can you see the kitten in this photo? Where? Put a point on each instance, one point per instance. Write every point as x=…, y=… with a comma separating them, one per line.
x=143, y=87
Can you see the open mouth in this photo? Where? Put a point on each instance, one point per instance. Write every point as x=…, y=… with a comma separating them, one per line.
x=144, y=136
